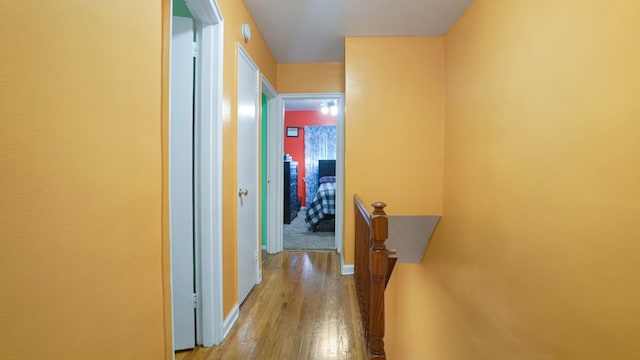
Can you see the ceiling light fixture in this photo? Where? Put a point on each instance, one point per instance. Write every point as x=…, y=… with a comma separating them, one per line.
x=333, y=109
x=329, y=108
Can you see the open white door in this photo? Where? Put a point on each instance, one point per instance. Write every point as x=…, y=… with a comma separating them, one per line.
x=274, y=214
x=181, y=183
x=248, y=81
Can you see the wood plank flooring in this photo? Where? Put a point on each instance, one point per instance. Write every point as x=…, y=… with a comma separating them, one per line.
x=303, y=309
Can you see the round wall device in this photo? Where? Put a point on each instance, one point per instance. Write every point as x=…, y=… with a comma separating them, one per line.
x=246, y=32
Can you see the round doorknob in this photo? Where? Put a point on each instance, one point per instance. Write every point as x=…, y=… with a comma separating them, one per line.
x=244, y=192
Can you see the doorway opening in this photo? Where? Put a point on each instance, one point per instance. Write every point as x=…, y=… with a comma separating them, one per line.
x=309, y=182
x=330, y=157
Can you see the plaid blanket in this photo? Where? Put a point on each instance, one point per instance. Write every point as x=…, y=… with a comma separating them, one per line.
x=324, y=203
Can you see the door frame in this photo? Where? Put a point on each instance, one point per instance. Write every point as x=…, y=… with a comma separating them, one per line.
x=207, y=170
x=274, y=239
x=272, y=174
x=208, y=161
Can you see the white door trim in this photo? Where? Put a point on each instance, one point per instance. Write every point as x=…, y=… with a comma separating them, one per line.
x=208, y=169
x=274, y=241
x=274, y=203
x=275, y=161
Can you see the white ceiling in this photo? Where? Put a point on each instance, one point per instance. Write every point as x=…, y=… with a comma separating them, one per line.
x=314, y=30
x=306, y=104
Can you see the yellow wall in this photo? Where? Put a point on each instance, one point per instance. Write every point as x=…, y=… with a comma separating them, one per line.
x=82, y=162
x=81, y=249
x=393, y=126
x=235, y=13
x=536, y=254
x=310, y=77
x=393, y=139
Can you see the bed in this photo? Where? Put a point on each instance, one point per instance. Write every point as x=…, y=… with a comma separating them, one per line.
x=321, y=210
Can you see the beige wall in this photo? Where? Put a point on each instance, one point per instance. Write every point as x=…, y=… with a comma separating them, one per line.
x=536, y=254
x=81, y=249
x=310, y=77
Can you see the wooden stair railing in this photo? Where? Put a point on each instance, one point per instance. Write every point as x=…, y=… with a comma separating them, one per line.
x=373, y=267
x=393, y=258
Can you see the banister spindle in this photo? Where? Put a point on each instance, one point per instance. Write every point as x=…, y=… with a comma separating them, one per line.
x=379, y=268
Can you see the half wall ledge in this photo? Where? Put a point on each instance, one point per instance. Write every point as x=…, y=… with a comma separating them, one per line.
x=410, y=235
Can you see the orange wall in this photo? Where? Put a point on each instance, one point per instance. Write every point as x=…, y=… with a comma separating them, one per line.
x=81, y=248
x=393, y=116
x=235, y=13
x=294, y=146
x=310, y=77
x=536, y=254
x=393, y=120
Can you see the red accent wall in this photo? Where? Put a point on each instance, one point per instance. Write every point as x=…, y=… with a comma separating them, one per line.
x=294, y=146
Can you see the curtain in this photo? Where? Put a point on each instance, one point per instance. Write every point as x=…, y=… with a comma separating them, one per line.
x=319, y=144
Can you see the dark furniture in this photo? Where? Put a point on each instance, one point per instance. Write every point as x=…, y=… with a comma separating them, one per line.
x=290, y=191
x=326, y=168
x=328, y=224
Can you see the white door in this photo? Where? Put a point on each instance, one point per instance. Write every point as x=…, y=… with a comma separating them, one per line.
x=248, y=76
x=181, y=182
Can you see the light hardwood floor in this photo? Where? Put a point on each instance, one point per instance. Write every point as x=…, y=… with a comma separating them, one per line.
x=303, y=309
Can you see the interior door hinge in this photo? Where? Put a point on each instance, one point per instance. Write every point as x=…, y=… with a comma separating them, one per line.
x=195, y=49
x=195, y=301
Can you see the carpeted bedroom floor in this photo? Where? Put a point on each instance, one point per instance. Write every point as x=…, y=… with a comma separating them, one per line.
x=296, y=236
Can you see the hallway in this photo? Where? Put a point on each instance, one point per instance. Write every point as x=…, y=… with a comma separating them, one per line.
x=303, y=309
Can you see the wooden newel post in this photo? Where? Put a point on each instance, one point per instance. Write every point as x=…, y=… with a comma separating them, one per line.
x=379, y=267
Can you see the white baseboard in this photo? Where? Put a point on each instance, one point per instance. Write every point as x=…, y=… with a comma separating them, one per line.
x=347, y=269
x=344, y=268
x=230, y=321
